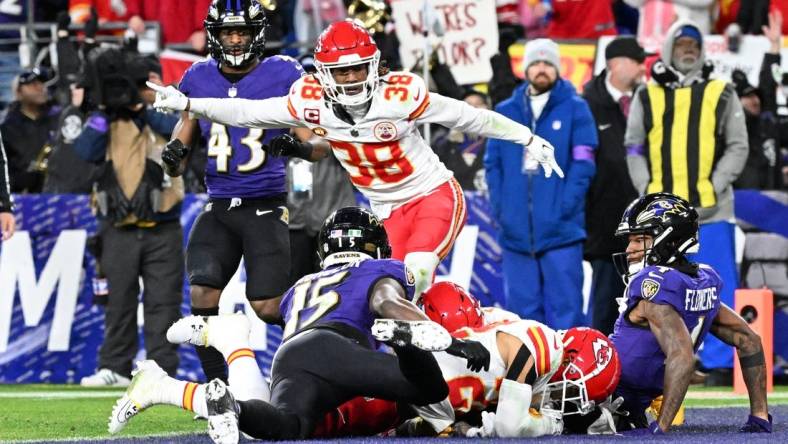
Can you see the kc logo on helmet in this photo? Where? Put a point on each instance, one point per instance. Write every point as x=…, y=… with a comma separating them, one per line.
x=602, y=352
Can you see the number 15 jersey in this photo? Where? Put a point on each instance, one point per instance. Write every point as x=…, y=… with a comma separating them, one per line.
x=340, y=294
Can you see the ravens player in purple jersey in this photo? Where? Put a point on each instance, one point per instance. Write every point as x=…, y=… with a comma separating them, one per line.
x=669, y=306
x=246, y=213
x=328, y=355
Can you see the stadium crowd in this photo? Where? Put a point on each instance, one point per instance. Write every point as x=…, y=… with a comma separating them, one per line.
x=655, y=119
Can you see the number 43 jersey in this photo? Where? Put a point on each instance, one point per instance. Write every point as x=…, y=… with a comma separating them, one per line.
x=383, y=152
x=340, y=294
x=237, y=164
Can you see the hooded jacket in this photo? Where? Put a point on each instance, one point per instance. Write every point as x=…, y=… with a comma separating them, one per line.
x=535, y=213
x=733, y=133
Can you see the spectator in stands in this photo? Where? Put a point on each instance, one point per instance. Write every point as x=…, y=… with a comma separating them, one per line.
x=181, y=20
x=656, y=16
x=139, y=225
x=28, y=131
x=7, y=220
x=581, y=19
x=763, y=169
x=609, y=95
x=463, y=153
x=106, y=10
x=542, y=219
x=686, y=135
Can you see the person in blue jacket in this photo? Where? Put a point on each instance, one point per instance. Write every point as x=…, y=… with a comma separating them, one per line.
x=541, y=220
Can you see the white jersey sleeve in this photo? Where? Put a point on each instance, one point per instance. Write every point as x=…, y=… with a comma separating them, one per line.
x=459, y=115
x=268, y=113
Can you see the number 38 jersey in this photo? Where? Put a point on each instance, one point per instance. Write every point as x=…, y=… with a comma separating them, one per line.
x=340, y=294
x=385, y=155
x=475, y=391
x=237, y=164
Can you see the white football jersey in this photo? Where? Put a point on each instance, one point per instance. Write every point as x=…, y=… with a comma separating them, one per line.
x=386, y=157
x=383, y=152
x=476, y=390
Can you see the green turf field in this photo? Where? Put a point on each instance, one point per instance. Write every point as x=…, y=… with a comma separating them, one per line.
x=44, y=412
x=48, y=412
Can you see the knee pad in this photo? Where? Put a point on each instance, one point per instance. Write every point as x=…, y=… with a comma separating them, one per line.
x=422, y=264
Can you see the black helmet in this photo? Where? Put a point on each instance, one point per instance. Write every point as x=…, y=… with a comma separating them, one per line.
x=669, y=219
x=224, y=14
x=349, y=232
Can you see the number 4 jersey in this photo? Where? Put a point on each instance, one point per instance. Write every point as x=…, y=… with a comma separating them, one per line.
x=237, y=164
x=340, y=294
x=695, y=298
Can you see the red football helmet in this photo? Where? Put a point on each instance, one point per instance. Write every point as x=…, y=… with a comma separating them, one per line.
x=589, y=372
x=343, y=44
x=451, y=306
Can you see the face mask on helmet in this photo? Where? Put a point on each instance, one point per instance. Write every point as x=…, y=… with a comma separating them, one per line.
x=351, y=234
x=590, y=372
x=451, y=306
x=342, y=47
x=670, y=221
x=240, y=20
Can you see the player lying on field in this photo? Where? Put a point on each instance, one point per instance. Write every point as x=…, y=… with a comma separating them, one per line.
x=528, y=360
x=328, y=355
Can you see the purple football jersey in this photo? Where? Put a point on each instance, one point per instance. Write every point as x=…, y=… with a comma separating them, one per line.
x=695, y=299
x=237, y=164
x=340, y=294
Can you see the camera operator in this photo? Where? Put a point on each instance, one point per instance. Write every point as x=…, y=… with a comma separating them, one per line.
x=138, y=208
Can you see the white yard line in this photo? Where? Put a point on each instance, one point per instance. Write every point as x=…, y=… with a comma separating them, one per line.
x=723, y=395
x=62, y=394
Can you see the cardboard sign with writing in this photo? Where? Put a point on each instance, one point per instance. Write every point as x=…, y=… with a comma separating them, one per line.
x=470, y=39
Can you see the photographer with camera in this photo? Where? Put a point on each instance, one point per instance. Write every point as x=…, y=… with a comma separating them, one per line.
x=138, y=208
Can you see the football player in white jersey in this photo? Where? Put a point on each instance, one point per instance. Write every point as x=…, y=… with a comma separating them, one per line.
x=578, y=368
x=369, y=118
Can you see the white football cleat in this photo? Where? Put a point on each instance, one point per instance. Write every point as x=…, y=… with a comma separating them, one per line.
x=426, y=335
x=222, y=413
x=105, y=377
x=192, y=329
x=142, y=393
x=225, y=332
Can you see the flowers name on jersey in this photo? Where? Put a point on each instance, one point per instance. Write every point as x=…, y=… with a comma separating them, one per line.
x=383, y=152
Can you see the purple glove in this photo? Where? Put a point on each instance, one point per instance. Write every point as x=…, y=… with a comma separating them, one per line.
x=652, y=429
x=755, y=424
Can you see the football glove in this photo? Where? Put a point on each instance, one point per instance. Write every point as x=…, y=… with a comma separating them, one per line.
x=173, y=155
x=285, y=145
x=755, y=424
x=475, y=353
x=168, y=98
x=544, y=153
x=487, y=430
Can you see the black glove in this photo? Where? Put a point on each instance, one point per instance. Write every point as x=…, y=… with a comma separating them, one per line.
x=475, y=353
x=173, y=155
x=91, y=26
x=286, y=145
